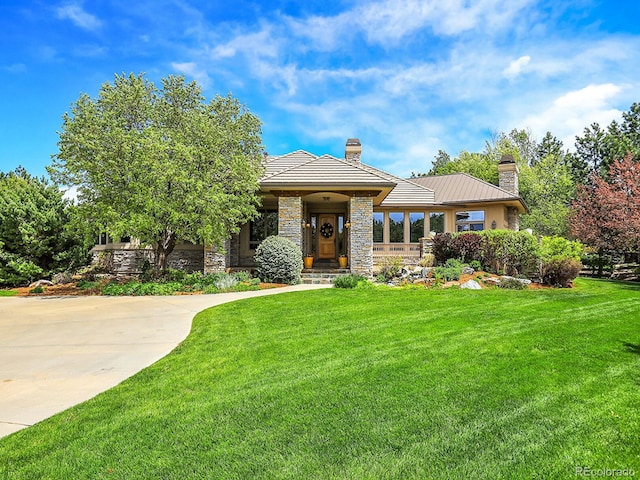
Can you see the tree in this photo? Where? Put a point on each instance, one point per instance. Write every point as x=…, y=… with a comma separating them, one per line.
x=161, y=164
x=606, y=213
x=37, y=230
x=549, y=192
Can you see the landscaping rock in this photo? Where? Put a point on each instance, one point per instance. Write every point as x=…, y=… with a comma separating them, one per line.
x=468, y=271
x=471, y=285
x=524, y=281
x=41, y=283
x=491, y=281
x=62, y=278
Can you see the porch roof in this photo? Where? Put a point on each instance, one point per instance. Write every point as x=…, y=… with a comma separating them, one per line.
x=299, y=170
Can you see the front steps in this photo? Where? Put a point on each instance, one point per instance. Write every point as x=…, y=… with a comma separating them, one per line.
x=322, y=275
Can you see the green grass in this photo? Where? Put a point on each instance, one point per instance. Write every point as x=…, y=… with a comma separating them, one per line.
x=369, y=383
x=8, y=293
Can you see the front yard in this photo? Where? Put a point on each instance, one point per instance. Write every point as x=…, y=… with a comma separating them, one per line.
x=369, y=383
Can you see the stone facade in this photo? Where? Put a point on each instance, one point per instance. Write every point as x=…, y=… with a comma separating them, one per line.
x=353, y=150
x=216, y=261
x=361, y=235
x=508, y=175
x=513, y=218
x=290, y=219
x=132, y=261
x=426, y=246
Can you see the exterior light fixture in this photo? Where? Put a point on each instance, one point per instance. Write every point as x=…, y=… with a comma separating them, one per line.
x=493, y=225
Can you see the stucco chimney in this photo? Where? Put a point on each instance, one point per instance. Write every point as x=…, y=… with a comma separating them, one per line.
x=353, y=150
x=508, y=175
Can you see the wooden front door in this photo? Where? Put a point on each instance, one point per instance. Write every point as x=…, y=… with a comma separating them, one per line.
x=327, y=231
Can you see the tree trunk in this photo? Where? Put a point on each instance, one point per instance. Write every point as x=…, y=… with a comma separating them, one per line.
x=163, y=248
x=600, y=262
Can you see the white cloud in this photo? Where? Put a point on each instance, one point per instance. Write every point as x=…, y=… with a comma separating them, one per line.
x=259, y=44
x=15, y=68
x=568, y=115
x=75, y=13
x=191, y=69
x=515, y=67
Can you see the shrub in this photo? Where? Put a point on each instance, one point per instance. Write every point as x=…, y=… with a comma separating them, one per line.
x=36, y=290
x=560, y=271
x=512, y=284
x=476, y=265
x=442, y=247
x=226, y=282
x=278, y=259
x=558, y=247
x=451, y=270
x=390, y=267
x=510, y=252
x=242, y=276
x=427, y=260
x=351, y=280
x=467, y=246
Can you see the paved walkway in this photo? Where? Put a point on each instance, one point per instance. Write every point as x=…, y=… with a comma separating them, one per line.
x=58, y=352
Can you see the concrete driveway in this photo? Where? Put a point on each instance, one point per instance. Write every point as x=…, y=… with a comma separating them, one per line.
x=57, y=352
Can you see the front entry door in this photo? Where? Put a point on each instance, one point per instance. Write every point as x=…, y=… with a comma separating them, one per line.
x=327, y=231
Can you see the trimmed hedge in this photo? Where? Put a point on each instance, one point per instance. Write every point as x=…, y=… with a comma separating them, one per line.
x=279, y=260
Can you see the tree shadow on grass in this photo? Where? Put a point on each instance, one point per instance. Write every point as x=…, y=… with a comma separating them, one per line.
x=632, y=347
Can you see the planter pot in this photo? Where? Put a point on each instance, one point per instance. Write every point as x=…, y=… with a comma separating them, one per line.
x=342, y=261
x=308, y=262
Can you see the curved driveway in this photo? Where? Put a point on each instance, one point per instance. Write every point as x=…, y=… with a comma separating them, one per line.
x=56, y=352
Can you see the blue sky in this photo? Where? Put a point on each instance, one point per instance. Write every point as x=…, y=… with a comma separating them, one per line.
x=406, y=77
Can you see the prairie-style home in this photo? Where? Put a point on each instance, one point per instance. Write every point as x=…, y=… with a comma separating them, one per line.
x=341, y=207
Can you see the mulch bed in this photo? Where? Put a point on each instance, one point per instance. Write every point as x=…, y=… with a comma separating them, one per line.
x=70, y=289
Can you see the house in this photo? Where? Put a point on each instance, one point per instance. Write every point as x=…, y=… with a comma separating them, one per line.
x=332, y=206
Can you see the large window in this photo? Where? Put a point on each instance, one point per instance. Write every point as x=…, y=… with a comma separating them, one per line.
x=436, y=222
x=378, y=227
x=396, y=227
x=416, y=221
x=470, y=221
x=263, y=226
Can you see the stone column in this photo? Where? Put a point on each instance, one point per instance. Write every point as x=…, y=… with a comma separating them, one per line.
x=216, y=260
x=513, y=219
x=361, y=236
x=290, y=219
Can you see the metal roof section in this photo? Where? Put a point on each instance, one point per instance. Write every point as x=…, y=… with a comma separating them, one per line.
x=463, y=188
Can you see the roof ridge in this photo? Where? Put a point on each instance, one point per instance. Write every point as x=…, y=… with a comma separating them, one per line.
x=395, y=178
x=292, y=166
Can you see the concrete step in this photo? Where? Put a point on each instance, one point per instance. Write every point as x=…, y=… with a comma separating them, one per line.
x=322, y=276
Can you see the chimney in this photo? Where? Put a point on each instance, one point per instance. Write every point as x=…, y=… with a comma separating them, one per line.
x=508, y=175
x=353, y=150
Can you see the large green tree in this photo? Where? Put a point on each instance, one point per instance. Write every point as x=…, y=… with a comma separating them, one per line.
x=38, y=230
x=161, y=164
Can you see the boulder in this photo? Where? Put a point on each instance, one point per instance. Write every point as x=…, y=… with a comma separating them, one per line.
x=524, y=281
x=41, y=283
x=471, y=285
x=468, y=271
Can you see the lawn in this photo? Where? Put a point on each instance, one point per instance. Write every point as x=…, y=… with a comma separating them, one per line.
x=369, y=383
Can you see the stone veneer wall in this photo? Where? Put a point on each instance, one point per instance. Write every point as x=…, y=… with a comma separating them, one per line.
x=513, y=218
x=508, y=178
x=130, y=261
x=361, y=235
x=290, y=219
x=215, y=261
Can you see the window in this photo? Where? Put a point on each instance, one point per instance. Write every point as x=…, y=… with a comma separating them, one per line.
x=416, y=221
x=378, y=227
x=262, y=227
x=436, y=222
x=470, y=221
x=342, y=245
x=125, y=239
x=396, y=227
